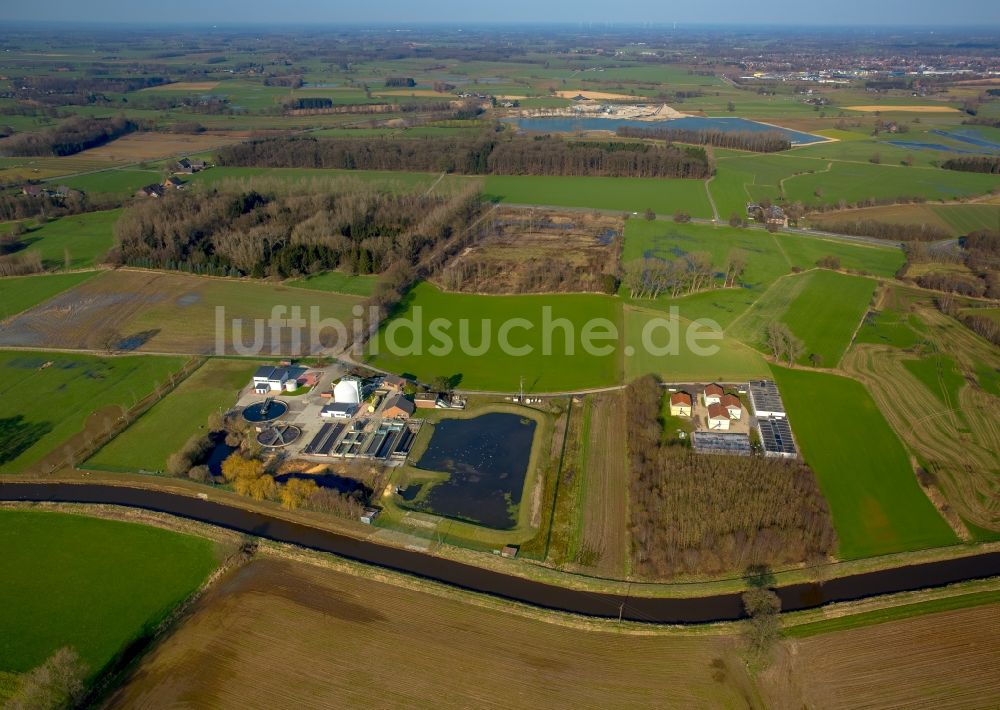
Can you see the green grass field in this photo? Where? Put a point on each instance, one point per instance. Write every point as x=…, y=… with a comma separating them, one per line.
x=939, y=375
x=732, y=361
x=95, y=585
x=889, y=327
x=663, y=196
x=74, y=242
x=854, y=182
x=338, y=282
x=804, y=252
x=768, y=256
x=893, y=613
x=969, y=218
x=667, y=240
x=821, y=308
x=125, y=181
x=560, y=370
x=988, y=378
x=863, y=470
x=827, y=312
x=148, y=443
x=20, y=293
x=740, y=179
x=62, y=395
x=955, y=219
x=862, y=148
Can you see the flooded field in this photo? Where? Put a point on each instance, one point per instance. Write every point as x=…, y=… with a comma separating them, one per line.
x=487, y=461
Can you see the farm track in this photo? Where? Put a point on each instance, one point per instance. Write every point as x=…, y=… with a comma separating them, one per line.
x=673, y=610
x=711, y=200
x=964, y=459
x=605, y=504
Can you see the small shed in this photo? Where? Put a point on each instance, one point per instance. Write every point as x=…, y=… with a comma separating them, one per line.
x=509, y=551
x=394, y=382
x=426, y=400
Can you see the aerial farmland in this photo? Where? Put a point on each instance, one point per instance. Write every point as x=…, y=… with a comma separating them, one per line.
x=591, y=366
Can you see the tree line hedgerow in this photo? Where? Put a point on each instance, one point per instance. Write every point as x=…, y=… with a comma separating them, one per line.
x=282, y=232
x=974, y=164
x=757, y=141
x=489, y=155
x=922, y=232
x=69, y=137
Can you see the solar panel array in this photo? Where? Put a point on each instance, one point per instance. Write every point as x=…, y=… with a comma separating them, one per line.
x=776, y=437
x=765, y=397
x=708, y=442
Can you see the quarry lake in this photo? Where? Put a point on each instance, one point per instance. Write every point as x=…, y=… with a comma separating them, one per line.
x=570, y=124
x=486, y=459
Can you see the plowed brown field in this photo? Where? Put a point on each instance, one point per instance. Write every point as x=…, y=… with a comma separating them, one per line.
x=605, y=505
x=282, y=634
x=946, y=660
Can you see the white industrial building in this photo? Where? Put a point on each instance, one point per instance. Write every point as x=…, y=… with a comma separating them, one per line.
x=338, y=410
x=272, y=379
x=347, y=391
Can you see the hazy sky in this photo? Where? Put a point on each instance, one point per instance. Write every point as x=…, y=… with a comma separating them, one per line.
x=976, y=13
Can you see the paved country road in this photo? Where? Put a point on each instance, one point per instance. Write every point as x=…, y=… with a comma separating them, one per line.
x=689, y=610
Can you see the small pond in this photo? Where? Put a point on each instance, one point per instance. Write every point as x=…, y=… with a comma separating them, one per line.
x=219, y=452
x=410, y=492
x=487, y=459
x=570, y=124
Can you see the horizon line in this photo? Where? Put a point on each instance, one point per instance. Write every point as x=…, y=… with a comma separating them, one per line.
x=403, y=26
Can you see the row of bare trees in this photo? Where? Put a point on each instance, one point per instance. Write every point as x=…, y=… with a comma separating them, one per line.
x=708, y=514
x=974, y=164
x=691, y=273
x=757, y=141
x=21, y=263
x=979, y=251
x=783, y=344
x=71, y=136
x=923, y=232
x=16, y=206
x=490, y=154
x=271, y=228
x=983, y=326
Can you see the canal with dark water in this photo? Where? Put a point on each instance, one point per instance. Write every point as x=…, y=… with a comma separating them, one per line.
x=673, y=610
